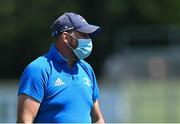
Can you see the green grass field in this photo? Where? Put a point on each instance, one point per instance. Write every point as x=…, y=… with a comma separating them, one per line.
x=154, y=101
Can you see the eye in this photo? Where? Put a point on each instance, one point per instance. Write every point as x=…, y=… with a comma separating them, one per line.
x=84, y=35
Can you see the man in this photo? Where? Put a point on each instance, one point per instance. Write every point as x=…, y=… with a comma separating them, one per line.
x=60, y=87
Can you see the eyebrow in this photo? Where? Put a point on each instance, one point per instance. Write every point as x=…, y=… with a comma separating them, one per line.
x=83, y=34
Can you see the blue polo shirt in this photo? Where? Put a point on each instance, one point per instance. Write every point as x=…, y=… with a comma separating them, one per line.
x=65, y=95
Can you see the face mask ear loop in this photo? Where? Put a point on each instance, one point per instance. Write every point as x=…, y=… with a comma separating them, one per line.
x=75, y=39
x=69, y=46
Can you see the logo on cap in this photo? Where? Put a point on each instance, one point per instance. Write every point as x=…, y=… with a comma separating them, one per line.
x=82, y=19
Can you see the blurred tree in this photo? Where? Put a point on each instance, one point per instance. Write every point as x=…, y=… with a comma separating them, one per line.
x=25, y=25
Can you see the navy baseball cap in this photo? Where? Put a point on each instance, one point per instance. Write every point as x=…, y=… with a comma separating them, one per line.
x=73, y=21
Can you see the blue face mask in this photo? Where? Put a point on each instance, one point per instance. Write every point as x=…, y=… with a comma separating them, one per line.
x=83, y=49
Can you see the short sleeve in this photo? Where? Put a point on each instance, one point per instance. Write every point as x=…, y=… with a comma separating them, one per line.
x=32, y=83
x=95, y=87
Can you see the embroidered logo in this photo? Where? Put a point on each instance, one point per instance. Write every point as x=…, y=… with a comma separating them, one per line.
x=58, y=82
x=87, y=81
x=82, y=19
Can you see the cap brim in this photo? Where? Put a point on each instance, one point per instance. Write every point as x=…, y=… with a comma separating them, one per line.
x=89, y=29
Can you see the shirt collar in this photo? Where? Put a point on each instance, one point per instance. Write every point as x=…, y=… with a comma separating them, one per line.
x=56, y=55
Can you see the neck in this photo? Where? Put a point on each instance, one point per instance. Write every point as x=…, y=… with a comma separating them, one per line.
x=67, y=53
x=71, y=63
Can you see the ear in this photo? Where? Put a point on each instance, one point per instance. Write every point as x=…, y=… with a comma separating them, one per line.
x=64, y=37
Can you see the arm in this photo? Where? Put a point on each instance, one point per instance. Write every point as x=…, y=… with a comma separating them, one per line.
x=96, y=113
x=27, y=109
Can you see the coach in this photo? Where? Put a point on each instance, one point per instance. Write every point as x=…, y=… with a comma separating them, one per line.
x=60, y=87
